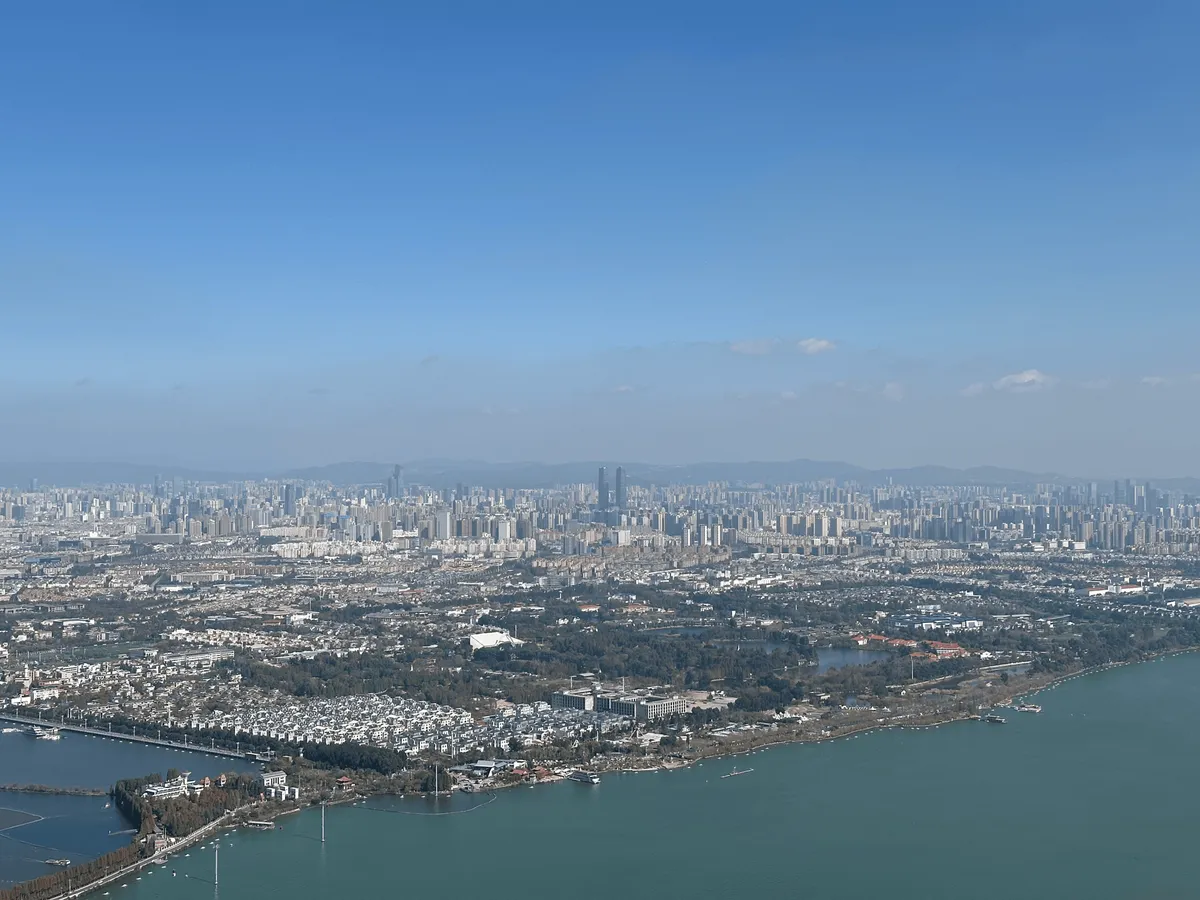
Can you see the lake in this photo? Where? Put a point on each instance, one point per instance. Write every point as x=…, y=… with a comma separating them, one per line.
x=37, y=827
x=1092, y=798
x=827, y=657
x=835, y=658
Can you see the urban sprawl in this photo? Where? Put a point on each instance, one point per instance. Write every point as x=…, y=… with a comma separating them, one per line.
x=634, y=619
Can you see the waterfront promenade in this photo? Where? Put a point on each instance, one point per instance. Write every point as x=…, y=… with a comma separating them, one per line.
x=155, y=858
x=121, y=736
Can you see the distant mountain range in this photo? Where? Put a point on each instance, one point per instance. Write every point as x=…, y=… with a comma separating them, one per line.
x=446, y=473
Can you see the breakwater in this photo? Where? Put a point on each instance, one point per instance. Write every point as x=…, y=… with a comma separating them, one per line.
x=53, y=790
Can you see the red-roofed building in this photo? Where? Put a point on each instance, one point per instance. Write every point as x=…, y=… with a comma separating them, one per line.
x=941, y=648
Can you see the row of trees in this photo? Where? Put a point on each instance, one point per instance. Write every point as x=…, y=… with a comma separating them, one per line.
x=72, y=879
x=357, y=757
x=346, y=756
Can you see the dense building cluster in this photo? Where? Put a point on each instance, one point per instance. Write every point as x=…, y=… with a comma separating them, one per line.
x=465, y=619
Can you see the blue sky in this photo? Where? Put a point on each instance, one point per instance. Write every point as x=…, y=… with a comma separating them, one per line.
x=281, y=234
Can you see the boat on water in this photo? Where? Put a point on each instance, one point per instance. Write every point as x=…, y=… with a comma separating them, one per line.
x=48, y=734
x=1029, y=707
x=11, y=730
x=737, y=772
x=993, y=719
x=58, y=862
x=584, y=777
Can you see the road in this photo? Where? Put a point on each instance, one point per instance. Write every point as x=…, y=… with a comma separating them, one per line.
x=135, y=738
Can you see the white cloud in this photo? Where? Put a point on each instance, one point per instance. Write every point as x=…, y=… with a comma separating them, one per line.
x=813, y=346
x=1156, y=381
x=788, y=395
x=1029, y=380
x=973, y=390
x=753, y=348
x=624, y=389
x=894, y=391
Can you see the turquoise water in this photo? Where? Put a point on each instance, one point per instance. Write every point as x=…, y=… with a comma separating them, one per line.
x=37, y=827
x=1094, y=798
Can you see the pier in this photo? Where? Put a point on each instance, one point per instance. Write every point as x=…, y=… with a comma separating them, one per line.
x=135, y=738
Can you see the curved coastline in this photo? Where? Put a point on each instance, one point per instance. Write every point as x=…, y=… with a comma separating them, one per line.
x=224, y=824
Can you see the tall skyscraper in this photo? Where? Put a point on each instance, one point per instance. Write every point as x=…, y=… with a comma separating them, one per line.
x=289, y=499
x=622, y=496
x=602, y=488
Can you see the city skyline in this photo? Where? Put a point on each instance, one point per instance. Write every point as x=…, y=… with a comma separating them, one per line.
x=393, y=478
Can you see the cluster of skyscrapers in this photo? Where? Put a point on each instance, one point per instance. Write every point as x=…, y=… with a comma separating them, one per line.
x=819, y=518
x=607, y=500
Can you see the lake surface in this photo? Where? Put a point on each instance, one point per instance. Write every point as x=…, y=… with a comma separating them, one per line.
x=827, y=657
x=835, y=658
x=1093, y=798
x=37, y=827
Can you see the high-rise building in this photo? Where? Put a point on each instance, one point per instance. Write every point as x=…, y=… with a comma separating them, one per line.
x=622, y=496
x=289, y=499
x=444, y=525
x=602, y=488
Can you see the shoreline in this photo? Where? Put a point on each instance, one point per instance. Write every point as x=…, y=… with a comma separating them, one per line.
x=224, y=822
x=152, y=860
x=866, y=728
